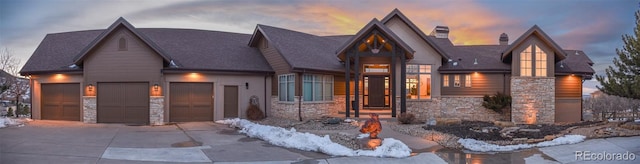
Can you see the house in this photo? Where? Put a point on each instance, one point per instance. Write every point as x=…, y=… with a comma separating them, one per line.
x=124, y=74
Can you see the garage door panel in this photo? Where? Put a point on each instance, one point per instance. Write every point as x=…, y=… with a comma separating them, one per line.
x=123, y=103
x=568, y=110
x=60, y=101
x=191, y=102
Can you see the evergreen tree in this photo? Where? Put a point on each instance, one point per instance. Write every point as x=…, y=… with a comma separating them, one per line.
x=624, y=79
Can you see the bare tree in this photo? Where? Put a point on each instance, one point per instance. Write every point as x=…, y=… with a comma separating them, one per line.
x=12, y=85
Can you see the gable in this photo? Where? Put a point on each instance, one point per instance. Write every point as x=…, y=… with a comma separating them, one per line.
x=425, y=53
x=534, y=31
x=397, y=15
x=375, y=27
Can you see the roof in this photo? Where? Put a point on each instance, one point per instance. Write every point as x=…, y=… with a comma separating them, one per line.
x=429, y=40
x=304, y=51
x=374, y=24
x=194, y=50
x=576, y=62
x=535, y=30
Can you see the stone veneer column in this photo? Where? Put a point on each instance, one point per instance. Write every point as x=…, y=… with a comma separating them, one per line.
x=156, y=110
x=89, y=109
x=533, y=100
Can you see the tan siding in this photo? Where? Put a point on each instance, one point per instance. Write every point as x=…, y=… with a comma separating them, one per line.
x=275, y=59
x=139, y=63
x=481, y=84
x=568, y=86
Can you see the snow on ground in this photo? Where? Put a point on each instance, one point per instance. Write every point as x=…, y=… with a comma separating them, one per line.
x=311, y=142
x=482, y=146
x=5, y=121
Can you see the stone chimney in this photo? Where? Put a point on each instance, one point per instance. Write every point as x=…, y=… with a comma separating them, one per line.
x=504, y=39
x=440, y=32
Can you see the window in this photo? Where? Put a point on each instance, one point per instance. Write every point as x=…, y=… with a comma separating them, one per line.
x=122, y=44
x=525, y=62
x=286, y=89
x=467, y=80
x=541, y=62
x=445, y=83
x=529, y=62
x=317, y=87
x=376, y=67
x=418, y=81
x=456, y=80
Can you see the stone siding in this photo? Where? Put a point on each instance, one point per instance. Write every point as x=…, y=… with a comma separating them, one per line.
x=533, y=100
x=156, y=110
x=89, y=109
x=465, y=108
x=309, y=110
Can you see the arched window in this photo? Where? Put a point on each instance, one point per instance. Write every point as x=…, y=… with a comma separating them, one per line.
x=122, y=44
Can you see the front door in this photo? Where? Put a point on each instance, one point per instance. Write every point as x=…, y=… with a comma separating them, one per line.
x=375, y=91
x=230, y=101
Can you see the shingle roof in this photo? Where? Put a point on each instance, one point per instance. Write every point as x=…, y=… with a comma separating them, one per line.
x=305, y=51
x=576, y=62
x=375, y=24
x=535, y=30
x=190, y=49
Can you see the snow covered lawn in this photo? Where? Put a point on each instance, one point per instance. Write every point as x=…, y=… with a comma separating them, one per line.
x=482, y=146
x=5, y=121
x=310, y=142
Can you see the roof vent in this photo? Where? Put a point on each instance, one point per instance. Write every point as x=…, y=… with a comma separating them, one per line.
x=577, y=53
x=455, y=63
x=74, y=66
x=504, y=39
x=172, y=64
x=475, y=61
x=440, y=32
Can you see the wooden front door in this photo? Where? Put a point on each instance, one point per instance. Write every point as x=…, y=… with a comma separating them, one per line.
x=376, y=91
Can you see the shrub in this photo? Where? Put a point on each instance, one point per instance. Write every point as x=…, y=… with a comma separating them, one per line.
x=254, y=113
x=10, y=112
x=406, y=118
x=496, y=102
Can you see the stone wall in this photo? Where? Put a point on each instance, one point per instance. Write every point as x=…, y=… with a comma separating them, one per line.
x=465, y=108
x=533, y=100
x=156, y=110
x=89, y=109
x=309, y=110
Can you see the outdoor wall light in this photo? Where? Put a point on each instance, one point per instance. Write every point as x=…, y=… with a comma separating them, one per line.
x=90, y=87
x=155, y=87
x=246, y=85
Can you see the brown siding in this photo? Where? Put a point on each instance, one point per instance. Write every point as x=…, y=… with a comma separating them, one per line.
x=274, y=85
x=275, y=59
x=139, y=63
x=481, y=84
x=569, y=86
x=515, y=60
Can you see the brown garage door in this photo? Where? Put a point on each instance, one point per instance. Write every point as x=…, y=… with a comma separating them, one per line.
x=191, y=102
x=123, y=103
x=568, y=110
x=61, y=102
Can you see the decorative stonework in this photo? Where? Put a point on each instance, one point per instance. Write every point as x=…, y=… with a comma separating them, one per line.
x=533, y=100
x=309, y=110
x=465, y=108
x=156, y=110
x=89, y=109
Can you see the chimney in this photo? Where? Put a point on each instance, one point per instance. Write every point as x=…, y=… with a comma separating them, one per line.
x=440, y=32
x=504, y=39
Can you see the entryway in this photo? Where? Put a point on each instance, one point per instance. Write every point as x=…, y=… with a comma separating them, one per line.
x=376, y=91
x=230, y=101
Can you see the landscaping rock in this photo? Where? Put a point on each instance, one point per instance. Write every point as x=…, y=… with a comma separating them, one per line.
x=504, y=124
x=448, y=121
x=549, y=137
x=529, y=130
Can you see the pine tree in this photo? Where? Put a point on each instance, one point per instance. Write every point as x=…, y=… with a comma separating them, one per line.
x=624, y=79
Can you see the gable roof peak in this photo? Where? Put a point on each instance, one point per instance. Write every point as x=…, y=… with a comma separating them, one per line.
x=397, y=13
x=538, y=32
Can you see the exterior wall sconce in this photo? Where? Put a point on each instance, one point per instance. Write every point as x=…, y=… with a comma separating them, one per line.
x=246, y=85
x=155, y=87
x=90, y=87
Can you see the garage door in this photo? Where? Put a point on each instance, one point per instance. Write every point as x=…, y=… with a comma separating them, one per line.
x=123, y=103
x=61, y=102
x=191, y=102
x=568, y=110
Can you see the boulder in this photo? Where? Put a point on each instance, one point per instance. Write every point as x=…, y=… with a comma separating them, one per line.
x=504, y=124
x=448, y=121
x=549, y=137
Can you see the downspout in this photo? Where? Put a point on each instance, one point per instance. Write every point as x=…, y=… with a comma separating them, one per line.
x=300, y=97
x=31, y=97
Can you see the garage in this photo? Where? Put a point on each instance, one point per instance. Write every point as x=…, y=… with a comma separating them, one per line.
x=191, y=102
x=61, y=102
x=123, y=103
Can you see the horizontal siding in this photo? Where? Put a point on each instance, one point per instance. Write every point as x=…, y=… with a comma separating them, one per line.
x=568, y=109
x=481, y=84
x=568, y=87
x=138, y=63
x=275, y=59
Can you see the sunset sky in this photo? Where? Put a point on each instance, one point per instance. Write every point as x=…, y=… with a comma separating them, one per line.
x=595, y=26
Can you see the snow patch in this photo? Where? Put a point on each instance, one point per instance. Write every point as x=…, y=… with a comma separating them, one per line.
x=5, y=121
x=361, y=136
x=311, y=142
x=482, y=146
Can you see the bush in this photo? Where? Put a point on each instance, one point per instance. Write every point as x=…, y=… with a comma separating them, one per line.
x=10, y=112
x=23, y=110
x=496, y=102
x=254, y=113
x=406, y=118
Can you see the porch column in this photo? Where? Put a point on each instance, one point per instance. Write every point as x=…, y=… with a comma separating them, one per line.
x=403, y=84
x=356, y=85
x=347, y=74
x=393, y=84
